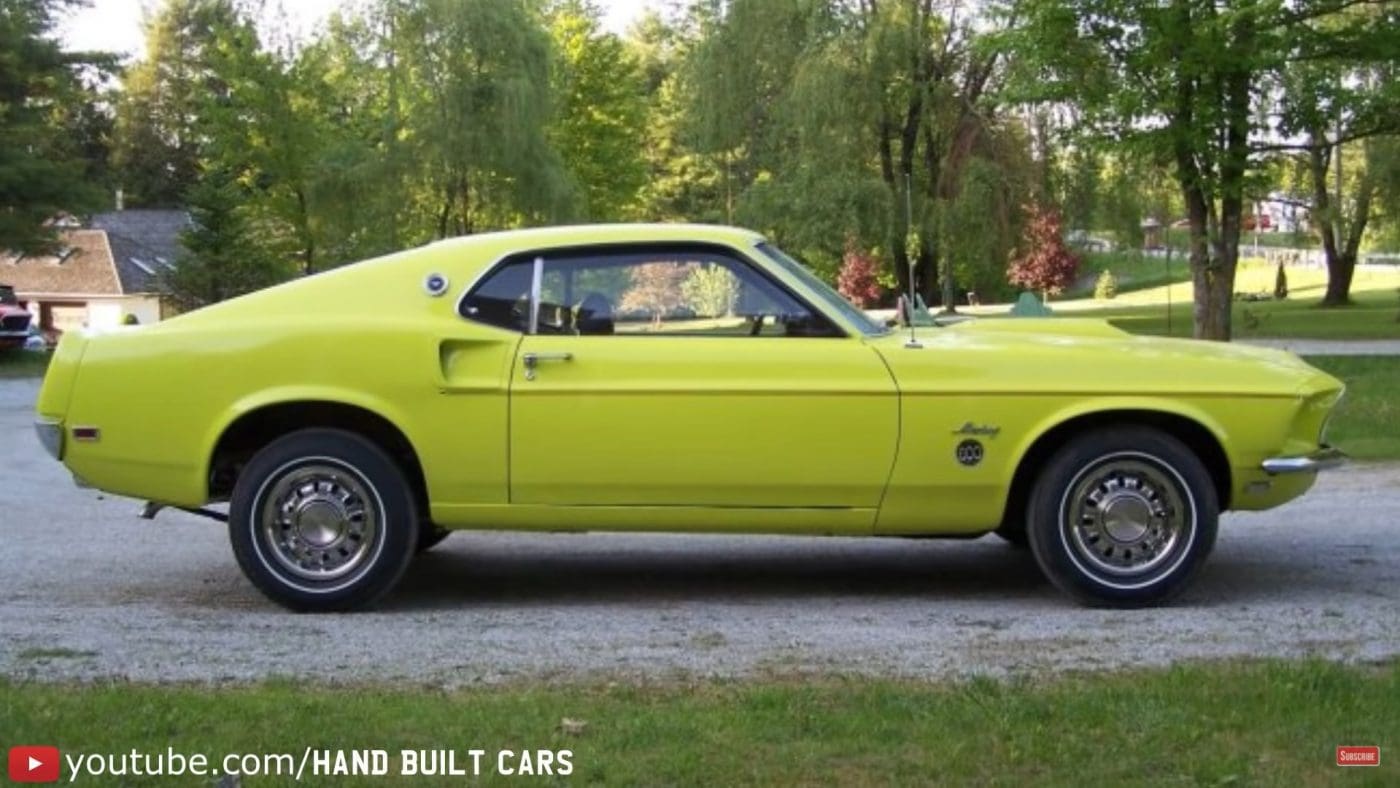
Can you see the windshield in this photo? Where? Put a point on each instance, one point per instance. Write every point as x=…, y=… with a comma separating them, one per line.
x=823, y=291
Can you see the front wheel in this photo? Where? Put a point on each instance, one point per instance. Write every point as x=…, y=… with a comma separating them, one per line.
x=1122, y=517
x=323, y=520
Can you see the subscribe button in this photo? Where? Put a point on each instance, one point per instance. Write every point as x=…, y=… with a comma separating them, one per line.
x=1358, y=756
x=34, y=764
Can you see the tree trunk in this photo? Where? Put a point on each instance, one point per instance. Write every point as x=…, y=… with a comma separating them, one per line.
x=1341, y=241
x=1213, y=294
x=925, y=276
x=1212, y=268
x=1215, y=231
x=1214, y=306
x=1328, y=220
x=926, y=271
x=308, y=249
x=1341, y=267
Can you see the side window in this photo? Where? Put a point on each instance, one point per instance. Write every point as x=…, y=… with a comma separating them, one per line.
x=676, y=292
x=503, y=298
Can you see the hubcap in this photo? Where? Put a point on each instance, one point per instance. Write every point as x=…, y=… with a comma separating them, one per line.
x=1125, y=516
x=320, y=521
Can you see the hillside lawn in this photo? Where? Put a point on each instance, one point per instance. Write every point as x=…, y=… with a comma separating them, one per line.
x=1143, y=310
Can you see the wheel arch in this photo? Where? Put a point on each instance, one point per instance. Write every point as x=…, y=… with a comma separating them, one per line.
x=256, y=424
x=1200, y=434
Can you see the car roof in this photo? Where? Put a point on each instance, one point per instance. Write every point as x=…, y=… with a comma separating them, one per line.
x=588, y=234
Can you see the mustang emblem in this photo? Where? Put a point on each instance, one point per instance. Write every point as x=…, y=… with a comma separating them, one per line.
x=968, y=428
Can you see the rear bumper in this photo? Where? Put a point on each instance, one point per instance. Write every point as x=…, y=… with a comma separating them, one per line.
x=50, y=434
x=1325, y=457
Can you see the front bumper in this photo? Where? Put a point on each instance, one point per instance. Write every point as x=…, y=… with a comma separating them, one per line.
x=50, y=434
x=1325, y=457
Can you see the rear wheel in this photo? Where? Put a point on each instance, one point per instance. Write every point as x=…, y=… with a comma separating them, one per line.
x=1122, y=517
x=323, y=520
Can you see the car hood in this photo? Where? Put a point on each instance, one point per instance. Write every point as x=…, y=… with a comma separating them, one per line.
x=1057, y=355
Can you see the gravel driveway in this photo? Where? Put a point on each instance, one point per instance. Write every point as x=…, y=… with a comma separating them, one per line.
x=87, y=590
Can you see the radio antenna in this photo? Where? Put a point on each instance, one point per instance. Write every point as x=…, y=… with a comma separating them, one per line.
x=910, y=254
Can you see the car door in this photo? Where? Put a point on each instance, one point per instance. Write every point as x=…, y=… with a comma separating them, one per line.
x=687, y=376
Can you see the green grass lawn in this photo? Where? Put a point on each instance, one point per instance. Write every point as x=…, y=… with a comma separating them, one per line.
x=1367, y=423
x=1180, y=238
x=1133, y=272
x=1251, y=724
x=1375, y=315
x=22, y=364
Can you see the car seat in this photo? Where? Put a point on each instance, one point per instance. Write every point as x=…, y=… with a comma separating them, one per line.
x=594, y=315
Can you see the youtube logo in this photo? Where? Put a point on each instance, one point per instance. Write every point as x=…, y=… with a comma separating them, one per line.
x=34, y=764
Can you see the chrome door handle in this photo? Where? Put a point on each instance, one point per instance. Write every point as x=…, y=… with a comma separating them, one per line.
x=532, y=360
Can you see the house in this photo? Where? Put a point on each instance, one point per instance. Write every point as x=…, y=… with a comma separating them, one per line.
x=105, y=272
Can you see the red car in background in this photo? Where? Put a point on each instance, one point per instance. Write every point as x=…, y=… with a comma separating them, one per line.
x=14, y=321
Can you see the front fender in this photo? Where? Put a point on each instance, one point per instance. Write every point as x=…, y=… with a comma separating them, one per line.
x=1116, y=404
x=934, y=491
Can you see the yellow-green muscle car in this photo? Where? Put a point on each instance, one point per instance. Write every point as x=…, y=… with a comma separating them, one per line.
x=669, y=378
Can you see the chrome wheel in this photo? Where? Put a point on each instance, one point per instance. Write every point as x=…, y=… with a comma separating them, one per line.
x=321, y=521
x=1127, y=517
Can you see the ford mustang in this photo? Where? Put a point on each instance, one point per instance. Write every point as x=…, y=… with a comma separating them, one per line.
x=669, y=378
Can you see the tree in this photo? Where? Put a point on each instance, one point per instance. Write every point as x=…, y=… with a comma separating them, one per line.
x=263, y=122
x=656, y=289
x=1184, y=82
x=848, y=119
x=41, y=172
x=1385, y=153
x=84, y=127
x=711, y=290
x=157, y=145
x=1084, y=183
x=1044, y=262
x=600, y=111
x=859, y=277
x=222, y=258
x=1106, y=286
x=365, y=191
x=1327, y=103
x=477, y=105
x=680, y=184
x=979, y=224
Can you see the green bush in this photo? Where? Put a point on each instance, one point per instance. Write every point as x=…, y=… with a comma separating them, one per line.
x=1280, y=283
x=1107, y=286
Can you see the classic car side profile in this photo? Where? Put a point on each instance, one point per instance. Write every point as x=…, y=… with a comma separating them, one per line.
x=669, y=378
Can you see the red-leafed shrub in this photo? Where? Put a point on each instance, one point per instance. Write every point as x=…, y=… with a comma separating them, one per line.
x=1043, y=262
x=858, y=279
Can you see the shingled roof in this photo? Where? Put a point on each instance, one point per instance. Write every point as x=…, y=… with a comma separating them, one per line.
x=82, y=266
x=144, y=243
x=119, y=253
